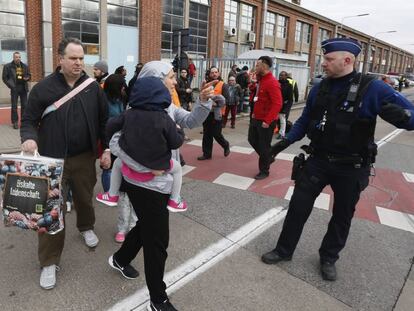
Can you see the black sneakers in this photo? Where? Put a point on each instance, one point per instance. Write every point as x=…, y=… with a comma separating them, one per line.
x=227, y=151
x=273, y=257
x=203, y=157
x=127, y=272
x=164, y=306
x=261, y=176
x=328, y=271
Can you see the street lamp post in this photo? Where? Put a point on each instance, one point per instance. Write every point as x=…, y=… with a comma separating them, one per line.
x=365, y=68
x=337, y=27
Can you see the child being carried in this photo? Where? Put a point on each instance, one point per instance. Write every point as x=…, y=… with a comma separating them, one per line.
x=148, y=136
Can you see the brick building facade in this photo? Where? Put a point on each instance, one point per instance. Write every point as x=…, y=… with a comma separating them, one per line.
x=219, y=28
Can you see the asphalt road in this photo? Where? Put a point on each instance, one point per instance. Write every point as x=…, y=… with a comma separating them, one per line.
x=215, y=248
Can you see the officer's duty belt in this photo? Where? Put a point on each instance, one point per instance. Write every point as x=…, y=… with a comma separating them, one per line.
x=356, y=161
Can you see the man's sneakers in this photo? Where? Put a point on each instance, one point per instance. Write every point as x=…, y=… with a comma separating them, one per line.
x=261, y=175
x=127, y=272
x=177, y=205
x=227, y=151
x=91, y=240
x=48, y=277
x=328, y=271
x=273, y=257
x=203, y=157
x=107, y=199
x=163, y=306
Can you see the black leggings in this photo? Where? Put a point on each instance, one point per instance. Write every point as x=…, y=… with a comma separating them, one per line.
x=151, y=232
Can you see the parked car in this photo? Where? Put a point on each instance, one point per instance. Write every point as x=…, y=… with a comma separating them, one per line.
x=394, y=83
x=315, y=80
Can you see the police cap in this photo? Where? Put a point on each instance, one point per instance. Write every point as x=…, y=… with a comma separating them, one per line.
x=341, y=44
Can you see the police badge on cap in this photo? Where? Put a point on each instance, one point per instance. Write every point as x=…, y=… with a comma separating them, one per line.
x=341, y=44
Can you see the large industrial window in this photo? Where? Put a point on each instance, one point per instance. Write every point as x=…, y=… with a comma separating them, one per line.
x=172, y=19
x=323, y=34
x=307, y=33
x=247, y=17
x=270, y=24
x=303, y=32
x=281, y=26
x=12, y=26
x=123, y=12
x=198, y=25
x=298, y=32
x=230, y=14
x=80, y=19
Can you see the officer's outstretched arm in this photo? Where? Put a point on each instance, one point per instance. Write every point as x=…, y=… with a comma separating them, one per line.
x=396, y=115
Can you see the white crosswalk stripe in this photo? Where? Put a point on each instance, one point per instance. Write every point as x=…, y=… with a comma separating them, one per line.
x=234, y=181
x=396, y=219
x=244, y=150
x=321, y=202
x=187, y=169
x=409, y=177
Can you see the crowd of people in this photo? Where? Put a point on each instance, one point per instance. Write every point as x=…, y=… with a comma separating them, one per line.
x=136, y=129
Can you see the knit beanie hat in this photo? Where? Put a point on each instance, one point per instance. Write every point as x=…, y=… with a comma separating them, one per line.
x=102, y=66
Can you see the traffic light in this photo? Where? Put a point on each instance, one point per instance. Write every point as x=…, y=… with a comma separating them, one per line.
x=181, y=40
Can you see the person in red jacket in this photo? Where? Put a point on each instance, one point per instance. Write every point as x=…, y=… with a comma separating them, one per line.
x=267, y=104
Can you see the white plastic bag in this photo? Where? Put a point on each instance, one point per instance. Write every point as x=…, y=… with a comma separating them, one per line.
x=31, y=192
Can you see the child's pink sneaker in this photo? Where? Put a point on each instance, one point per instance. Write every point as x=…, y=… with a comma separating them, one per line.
x=120, y=237
x=105, y=198
x=177, y=206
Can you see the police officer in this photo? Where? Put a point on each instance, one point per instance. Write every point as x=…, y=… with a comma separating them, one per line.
x=339, y=118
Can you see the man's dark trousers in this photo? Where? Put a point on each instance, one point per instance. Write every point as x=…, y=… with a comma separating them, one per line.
x=212, y=129
x=18, y=91
x=260, y=139
x=80, y=173
x=347, y=182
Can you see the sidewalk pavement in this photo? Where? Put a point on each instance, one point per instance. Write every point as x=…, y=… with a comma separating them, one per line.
x=273, y=286
x=10, y=139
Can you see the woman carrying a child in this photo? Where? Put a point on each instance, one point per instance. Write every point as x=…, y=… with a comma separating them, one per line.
x=149, y=191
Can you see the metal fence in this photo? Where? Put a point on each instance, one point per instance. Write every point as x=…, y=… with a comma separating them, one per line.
x=299, y=73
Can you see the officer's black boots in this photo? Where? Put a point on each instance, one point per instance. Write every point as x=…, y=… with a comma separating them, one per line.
x=328, y=271
x=273, y=257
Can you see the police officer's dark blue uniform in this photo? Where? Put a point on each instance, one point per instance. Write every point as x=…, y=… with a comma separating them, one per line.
x=339, y=118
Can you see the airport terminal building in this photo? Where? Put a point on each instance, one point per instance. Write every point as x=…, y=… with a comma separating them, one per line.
x=125, y=32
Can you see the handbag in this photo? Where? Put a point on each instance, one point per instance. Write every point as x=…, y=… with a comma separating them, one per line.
x=30, y=192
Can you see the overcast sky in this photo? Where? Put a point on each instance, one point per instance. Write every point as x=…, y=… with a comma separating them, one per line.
x=384, y=15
